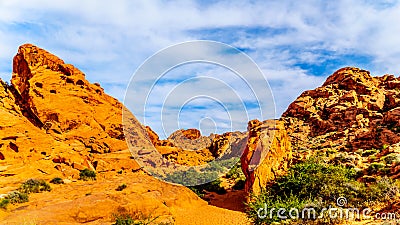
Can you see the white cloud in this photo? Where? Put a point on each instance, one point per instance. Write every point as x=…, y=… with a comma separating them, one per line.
x=108, y=41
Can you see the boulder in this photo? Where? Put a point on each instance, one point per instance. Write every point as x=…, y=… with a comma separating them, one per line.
x=267, y=154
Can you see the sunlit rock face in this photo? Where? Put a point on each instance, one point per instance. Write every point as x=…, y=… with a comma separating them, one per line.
x=267, y=154
x=351, y=110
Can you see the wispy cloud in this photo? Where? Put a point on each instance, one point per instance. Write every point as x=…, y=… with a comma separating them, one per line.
x=295, y=44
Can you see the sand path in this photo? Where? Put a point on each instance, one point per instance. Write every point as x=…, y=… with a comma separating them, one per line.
x=209, y=215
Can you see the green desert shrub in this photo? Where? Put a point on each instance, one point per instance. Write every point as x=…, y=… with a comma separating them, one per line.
x=121, y=187
x=208, y=177
x=4, y=203
x=57, y=180
x=318, y=184
x=212, y=171
x=375, y=167
x=34, y=186
x=385, y=189
x=266, y=201
x=213, y=186
x=235, y=173
x=17, y=197
x=87, y=174
x=198, y=191
x=390, y=158
x=238, y=176
x=125, y=217
x=369, y=152
x=313, y=178
x=191, y=176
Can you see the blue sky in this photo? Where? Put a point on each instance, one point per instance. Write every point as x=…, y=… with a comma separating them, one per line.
x=296, y=45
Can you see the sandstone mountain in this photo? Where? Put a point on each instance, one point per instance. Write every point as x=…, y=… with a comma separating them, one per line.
x=352, y=109
x=65, y=104
x=353, y=118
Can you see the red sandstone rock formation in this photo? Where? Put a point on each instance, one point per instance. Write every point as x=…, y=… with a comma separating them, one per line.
x=266, y=155
x=351, y=110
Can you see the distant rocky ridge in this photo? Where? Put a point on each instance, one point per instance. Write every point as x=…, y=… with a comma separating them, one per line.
x=190, y=139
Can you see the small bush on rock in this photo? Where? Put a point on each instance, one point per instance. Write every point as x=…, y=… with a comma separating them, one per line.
x=375, y=167
x=57, y=180
x=237, y=175
x=391, y=158
x=125, y=217
x=121, y=187
x=4, y=203
x=34, y=186
x=87, y=174
x=17, y=197
x=369, y=152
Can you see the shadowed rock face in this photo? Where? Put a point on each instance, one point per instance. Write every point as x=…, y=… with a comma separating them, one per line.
x=21, y=140
x=351, y=110
x=267, y=154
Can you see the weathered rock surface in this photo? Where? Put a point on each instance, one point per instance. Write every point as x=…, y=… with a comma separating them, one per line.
x=267, y=154
x=352, y=119
x=65, y=103
x=351, y=110
x=190, y=139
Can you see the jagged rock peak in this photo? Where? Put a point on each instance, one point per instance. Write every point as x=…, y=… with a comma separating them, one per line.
x=36, y=57
x=351, y=78
x=31, y=60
